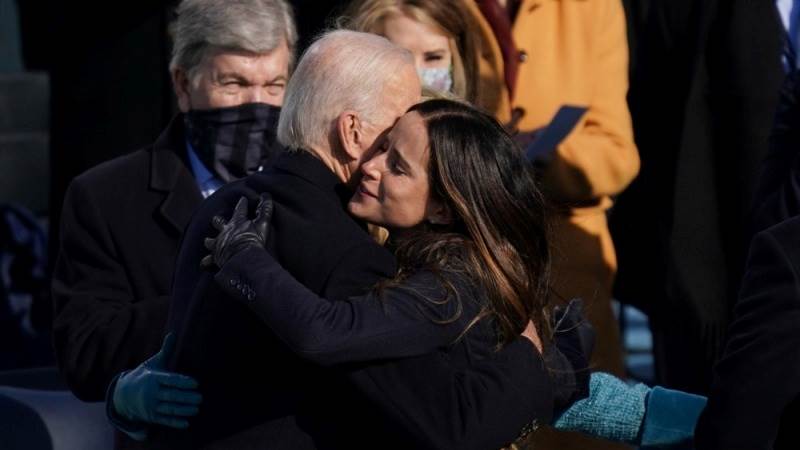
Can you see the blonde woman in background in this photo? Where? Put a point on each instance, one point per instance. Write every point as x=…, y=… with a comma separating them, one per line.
x=439, y=33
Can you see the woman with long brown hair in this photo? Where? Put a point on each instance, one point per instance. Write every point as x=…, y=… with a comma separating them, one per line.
x=522, y=61
x=465, y=216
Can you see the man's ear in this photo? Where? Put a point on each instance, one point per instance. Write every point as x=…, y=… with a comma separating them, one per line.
x=180, y=83
x=438, y=213
x=350, y=129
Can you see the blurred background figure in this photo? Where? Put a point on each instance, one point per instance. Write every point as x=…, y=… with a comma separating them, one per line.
x=123, y=220
x=704, y=87
x=24, y=291
x=106, y=93
x=755, y=394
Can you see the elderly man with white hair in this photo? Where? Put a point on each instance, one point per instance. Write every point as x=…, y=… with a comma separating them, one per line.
x=123, y=221
x=348, y=90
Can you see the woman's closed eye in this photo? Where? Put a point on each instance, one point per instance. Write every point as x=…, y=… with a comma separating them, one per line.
x=395, y=165
x=396, y=168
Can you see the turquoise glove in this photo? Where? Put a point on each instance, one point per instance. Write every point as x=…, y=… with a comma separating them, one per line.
x=149, y=394
x=637, y=415
x=613, y=410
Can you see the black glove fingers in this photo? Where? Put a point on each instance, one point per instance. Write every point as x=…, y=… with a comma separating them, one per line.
x=263, y=216
x=240, y=212
x=218, y=222
x=264, y=208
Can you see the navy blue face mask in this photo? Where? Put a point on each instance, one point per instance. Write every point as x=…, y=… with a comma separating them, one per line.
x=236, y=141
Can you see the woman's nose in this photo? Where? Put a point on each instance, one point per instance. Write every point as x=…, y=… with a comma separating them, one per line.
x=371, y=168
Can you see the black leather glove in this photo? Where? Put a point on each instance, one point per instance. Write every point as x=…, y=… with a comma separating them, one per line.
x=239, y=233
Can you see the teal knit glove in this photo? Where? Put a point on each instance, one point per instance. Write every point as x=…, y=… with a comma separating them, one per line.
x=613, y=411
x=652, y=418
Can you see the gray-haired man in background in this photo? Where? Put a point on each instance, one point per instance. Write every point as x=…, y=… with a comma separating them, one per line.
x=122, y=221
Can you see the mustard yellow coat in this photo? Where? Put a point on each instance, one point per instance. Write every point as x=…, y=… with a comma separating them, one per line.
x=573, y=52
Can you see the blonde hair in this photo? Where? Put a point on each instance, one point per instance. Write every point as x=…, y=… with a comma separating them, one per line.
x=447, y=16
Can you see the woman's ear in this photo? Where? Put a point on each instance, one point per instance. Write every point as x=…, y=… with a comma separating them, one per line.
x=350, y=129
x=438, y=213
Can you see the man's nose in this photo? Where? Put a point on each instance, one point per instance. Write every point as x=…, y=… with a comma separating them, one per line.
x=255, y=95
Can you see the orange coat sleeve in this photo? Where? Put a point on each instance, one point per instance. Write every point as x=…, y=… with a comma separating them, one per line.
x=599, y=158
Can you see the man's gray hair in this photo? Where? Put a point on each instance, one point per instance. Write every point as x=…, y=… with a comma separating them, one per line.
x=256, y=26
x=342, y=70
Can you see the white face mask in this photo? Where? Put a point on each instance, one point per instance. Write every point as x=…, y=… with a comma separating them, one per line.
x=437, y=79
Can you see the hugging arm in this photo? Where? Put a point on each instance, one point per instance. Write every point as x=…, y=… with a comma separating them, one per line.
x=403, y=322
x=408, y=320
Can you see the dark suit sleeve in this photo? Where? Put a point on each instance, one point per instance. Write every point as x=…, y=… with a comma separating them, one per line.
x=759, y=373
x=409, y=320
x=358, y=271
x=99, y=328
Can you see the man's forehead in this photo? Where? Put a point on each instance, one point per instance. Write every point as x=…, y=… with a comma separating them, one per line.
x=249, y=63
x=403, y=90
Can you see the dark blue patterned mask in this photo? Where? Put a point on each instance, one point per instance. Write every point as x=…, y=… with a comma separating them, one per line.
x=236, y=141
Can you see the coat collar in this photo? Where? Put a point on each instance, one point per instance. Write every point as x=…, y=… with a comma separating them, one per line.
x=310, y=168
x=170, y=174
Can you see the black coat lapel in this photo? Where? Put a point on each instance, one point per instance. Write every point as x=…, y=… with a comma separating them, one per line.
x=170, y=174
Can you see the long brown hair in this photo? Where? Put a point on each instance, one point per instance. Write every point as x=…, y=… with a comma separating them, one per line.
x=498, y=236
x=448, y=16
